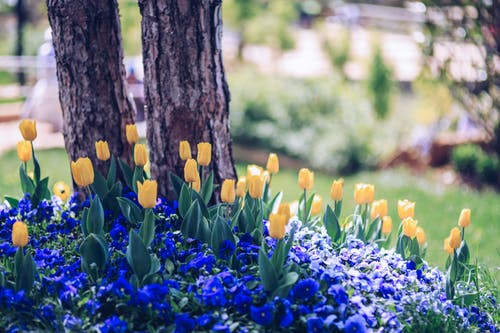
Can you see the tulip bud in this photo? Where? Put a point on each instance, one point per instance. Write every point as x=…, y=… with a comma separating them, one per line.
x=277, y=224
x=184, y=150
x=364, y=193
x=337, y=189
x=406, y=209
x=102, y=150
x=379, y=208
x=204, y=153
x=83, y=172
x=140, y=155
x=370, y=193
x=227, y=193
x=446, y=246
x=317, y=205
x=19, y=234
x=409, y=227
x=254, y=170
x=28, y=129
x=256, y=186
x=306, y=179
x=61, y=190
x=24, y=151
x=420, y=236
x=386, y=225
x=284, y=209
x=147, y=193
x=464, y=219
x=455, y=238
x=241, y=187
x=196, y=185
x=191, y=171
x=273, y=164
x=132, y=135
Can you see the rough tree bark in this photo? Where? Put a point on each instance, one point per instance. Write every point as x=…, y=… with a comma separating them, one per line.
x=187, y=96
x=92, y=86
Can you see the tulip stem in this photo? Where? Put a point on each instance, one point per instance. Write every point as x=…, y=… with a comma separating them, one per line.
x=463, y=233
x=305, y=207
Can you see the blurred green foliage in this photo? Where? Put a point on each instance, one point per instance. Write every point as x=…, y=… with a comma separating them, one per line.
x=380, y=85
x=472, y=161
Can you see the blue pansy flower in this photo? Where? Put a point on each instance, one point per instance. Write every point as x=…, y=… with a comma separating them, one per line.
x=305, y=289
x=314, y=325
x=262, y=315
x=184, y=323
x=355, y=324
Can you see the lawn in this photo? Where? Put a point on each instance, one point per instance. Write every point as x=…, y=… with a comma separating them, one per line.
x=437, y=205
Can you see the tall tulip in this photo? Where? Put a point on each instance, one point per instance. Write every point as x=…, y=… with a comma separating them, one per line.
x=140, y=155
x=241, y=187
x=204, y=153
x=406, y=209
x=277, y=224
x=132, y=134
x=227, y=193
x=28, y=129
x=19, y=234
x=256, y=186
x=102, y=150
x=306, y=179
x=337, y=190
x=147, y=192
x=184, y=150
x=273, y=164
x=409, y=227
x=24, y=151
x=455, y=238
x=464, y=219
x=190, y=171
x=386, y=225
x=83, y=171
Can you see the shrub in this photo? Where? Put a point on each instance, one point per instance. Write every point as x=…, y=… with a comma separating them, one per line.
x=488, y=168
x=380, y=85
x=464, y=159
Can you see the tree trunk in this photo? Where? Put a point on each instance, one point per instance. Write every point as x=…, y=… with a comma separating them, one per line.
x=92, y=86
x=187, y=96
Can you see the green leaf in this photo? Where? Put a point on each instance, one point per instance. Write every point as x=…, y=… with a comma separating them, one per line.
x=36, y=170
x=463, y=253
x=285, y=284
x=220, y=232
x=278, y=256
x=100, y=185
x=273, y=204
x=176, y=182
x=126, y=171
x=207, y=188
x=85, y=213
x=110, y=200
x=204, y=209
x=414, y=248
x=94, y=250
x=246, y=222
x=40, y=192
x=267, y=272
x=374, y=229
x=13, y=202
x=192, y=219
x=184, y=200
x=28, y=273
x=130, y=210
x=169, y=266
x=331, y=223
x=27, y=184
x=147, y=229
x=95, y=218
x=111, y=172
x=137, y=256
x=138, y=175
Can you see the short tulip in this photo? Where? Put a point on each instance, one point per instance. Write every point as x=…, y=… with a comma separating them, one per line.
x=284, y=209
x=19, y=234
x=277, y=224
x=306, y=179
x=420, y=236
x=379, y=209
x=364, y=193
x=147, y=192
x=140, y=155
x=317, y=205
x=227, y=193
x=204, y=153
x=28, y=129
x=406, y=209
x=464, y=219
x=409, y=227
x=446, y=246
x=273, y=164
x=102, y=150
x=241, y=187
x=83, y=171
x=184, y=150
x=24, y=151
x=455, y=238
x=256, y=186
x=386, y=225
x=131, y=133
x=191, y=171
x=337, y=190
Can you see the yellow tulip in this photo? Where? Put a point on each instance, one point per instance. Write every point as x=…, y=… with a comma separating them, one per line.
x=455, y=238
x=273, y=164
x=406, y=209
x=254, y=170
x=409, y=227
x=147, y=193
x=140, y=155
x=241, y=187
x=61, y=190
x=28, y=129
x=19, y=234
x=364, y=193
x=317, y=205
x=284, y=209
x=464, y=219
x=420, y=236
x=191, y=171
x=204, y=153
x=184, y=150
x=24, y=151
x=132, y=135
x=227, y=193
x=256, y=186
x=386, y=225
x=196, y=185
x=306, y=179
x=277, y=224
x=102, y=150
x=337, y=190
x=83, y=172
x=379, y=209
x=446, y=246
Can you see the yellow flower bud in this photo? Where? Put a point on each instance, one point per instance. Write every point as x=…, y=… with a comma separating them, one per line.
x=24, y=151
x=386, y=225
x=19, y=234
x=284, y=209
x=61, y=190
x=317, y=205
x=420, y=236
x=184, y=150
x=409, y=227
x=446, y=246
x=147, y=193
x=364, y=193
x=140, y=155
x=256, y=186
x=227, y=193
x=337, y=189
x=28, y=129
x=406, y=209
x=254, y=170
x=204, y=153
x=464, y=219
x=277, y=224
x=132, y=135
x=241, y=187
x=83, y=172
x=379, y=209
x=191, y=171
x=102, y=150
x=273, y=164
x=455, y=238
x=196, y=185
x=306, y=179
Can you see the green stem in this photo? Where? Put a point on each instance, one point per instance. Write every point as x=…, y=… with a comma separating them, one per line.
x=463, y=234
x=305, y=207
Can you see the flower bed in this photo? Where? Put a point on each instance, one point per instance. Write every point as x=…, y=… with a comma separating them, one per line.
x=355, y=288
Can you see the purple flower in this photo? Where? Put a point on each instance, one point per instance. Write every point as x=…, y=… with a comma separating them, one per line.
x=339, y=294
x=213, y=293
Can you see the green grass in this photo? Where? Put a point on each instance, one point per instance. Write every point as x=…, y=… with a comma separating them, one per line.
x=437, y=206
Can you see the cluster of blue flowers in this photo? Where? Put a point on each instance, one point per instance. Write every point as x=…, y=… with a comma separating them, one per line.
x=357, y=288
